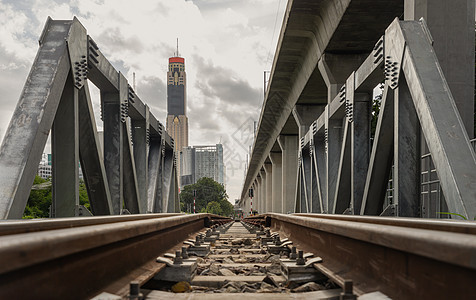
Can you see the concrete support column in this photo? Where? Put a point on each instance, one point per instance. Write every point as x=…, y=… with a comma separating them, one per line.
x=262, y=195
x=246, y=209
x=269, y=186
x=255, y=198
x=277, y=192
x=257, y=195
x=451, y=24
x=289, y=148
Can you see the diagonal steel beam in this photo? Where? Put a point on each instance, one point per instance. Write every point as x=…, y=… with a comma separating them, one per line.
x=381, y=157
x=91, y=157
x=342, y=189
x=441, y=124
x=32, y=119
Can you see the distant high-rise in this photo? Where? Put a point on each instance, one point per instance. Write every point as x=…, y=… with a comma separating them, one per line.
x=202, y=161
x=177, y=121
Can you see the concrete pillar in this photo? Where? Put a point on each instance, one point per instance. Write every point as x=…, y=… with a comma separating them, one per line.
x=246, y=209
x=277, y=192
x=259, y=202
x=254, y=200
x=269, y=186
x=289, y=148
x=451, y=23
x=262, y=195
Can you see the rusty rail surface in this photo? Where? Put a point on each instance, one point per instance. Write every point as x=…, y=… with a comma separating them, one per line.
x=79, y=257
x=401, y=257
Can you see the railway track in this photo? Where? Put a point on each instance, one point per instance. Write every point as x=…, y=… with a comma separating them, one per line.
x=270, y=256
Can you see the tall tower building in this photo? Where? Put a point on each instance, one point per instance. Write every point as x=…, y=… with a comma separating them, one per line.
x=177, y=121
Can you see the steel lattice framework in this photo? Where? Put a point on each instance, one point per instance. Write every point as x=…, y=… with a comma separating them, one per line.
x=135, y=172
x=415, y=96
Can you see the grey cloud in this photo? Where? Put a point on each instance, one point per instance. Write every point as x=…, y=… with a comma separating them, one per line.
x=216, y=4
x=112, y=38
x=229, y=100
x=13, y=75
x=223, y=83
x=165, y=49
x=152, y=90
x=162, y=9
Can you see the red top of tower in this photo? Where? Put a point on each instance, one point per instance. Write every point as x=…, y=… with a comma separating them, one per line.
x=176, y=60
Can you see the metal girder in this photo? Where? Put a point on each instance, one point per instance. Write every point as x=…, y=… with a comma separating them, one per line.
x=381, y=158
x=154, y=190
x=140, y=136
x=32, y=119
x=65, y=154
x=167, y=173
x=416, y=99
x=56, y=97
x=91, y=157
x=317, y=205
x=407, y=156
x=441, y=124
x=342, y=192
x=319, y=155
x=360, y=148
x=113, y=148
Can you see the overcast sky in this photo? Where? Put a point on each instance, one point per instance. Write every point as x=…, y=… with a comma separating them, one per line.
x=227, y=44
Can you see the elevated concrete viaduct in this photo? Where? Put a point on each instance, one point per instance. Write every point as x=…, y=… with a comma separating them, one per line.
x=316, y=150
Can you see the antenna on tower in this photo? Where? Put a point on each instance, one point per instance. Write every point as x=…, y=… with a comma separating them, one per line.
x=177, y=48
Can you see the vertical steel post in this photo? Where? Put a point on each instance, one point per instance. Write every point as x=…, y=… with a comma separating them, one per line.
x=65, y=148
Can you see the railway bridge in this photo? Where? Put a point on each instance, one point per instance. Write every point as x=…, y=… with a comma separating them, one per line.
x=363, y=157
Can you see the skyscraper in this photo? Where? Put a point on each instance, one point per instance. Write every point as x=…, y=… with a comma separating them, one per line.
x=177, y=121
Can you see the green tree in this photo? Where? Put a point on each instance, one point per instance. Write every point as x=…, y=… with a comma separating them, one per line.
x=214, y=208
x=83, y=195
x=39, y=201
x=207, y=191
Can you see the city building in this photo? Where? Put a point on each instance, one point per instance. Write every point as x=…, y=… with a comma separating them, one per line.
x=44, y=169
x=177, y=121
x=202, y=161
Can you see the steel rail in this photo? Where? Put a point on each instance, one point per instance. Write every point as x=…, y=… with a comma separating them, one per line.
x=431, y=224
x=404, y=260
x=33, y=225
x=80, y=262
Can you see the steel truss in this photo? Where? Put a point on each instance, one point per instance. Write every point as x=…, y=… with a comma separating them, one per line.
x=417, y=108
x=136, y=172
